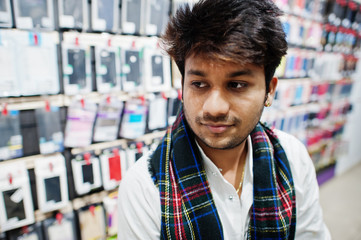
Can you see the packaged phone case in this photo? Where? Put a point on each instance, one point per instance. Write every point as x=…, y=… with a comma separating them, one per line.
x=111, y=209
x=92, y=222
x=11, y=141
x=157, y=76
x=86, y=173
x=16, y=205
x=158, y=113
x=38, y=60
x=9, y=78
x=6, y=19
x=30, y=232
x=76, y=69
x=174, y=104
x=135, y=151
x=60, y=227
x=107, y=64
x=133, y=123
x=132, y=66
x=105, y=15
x=79, y=125
x=132, y=16
x=34, y=14
x=73, y=14
x=29, y=132
x=108, y=119
x=156, y=16
x=51, y=182
x=51, y=138
x=113, y=164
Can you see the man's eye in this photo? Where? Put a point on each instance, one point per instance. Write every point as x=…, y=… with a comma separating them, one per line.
x=199, y=84
x=237, y=85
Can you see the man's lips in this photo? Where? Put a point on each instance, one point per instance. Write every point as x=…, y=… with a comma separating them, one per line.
x=217, y=128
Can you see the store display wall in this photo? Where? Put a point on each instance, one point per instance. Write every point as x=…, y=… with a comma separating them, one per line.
x=85, y=91
x=351, y=155
x=313, y=100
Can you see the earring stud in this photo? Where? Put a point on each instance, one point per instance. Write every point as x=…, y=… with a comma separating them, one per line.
x=267, y=104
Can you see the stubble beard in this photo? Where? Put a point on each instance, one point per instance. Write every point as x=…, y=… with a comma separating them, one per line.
x=234, y=142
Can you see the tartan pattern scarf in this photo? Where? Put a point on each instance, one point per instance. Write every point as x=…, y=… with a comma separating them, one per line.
x=187, y=206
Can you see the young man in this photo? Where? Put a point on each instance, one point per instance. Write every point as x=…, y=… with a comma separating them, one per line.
x=219, y=173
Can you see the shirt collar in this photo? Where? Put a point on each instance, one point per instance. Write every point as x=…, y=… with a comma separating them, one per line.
x=210, y=167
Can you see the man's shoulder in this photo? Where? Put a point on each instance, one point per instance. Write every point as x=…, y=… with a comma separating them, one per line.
x=287, y=138
x=139, y=211
x=296, y=151
x=289, y=141
x=138, y=173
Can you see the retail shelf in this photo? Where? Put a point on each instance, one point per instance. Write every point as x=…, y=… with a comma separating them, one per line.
x=61, y=100
x=97, y=147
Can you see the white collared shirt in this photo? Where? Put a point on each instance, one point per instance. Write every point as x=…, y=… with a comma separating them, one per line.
x=139, y=210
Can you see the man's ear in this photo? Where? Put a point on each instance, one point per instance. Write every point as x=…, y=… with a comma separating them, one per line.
x=273, y=85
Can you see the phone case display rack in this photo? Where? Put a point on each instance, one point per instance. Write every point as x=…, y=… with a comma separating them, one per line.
x=96, y=93
x=86, y=71
x=317, y=75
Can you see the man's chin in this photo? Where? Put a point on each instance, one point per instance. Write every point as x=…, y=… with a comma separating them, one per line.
x=227, y=145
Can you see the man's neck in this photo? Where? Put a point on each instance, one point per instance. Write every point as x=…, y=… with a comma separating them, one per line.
x=231, y=162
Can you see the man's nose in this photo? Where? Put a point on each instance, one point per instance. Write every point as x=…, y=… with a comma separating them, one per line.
x=216, y=104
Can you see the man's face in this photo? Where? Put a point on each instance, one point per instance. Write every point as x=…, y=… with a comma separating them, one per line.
x=222, y=101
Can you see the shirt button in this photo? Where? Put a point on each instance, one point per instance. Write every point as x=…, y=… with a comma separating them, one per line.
x=214, y=173
x=231, y=197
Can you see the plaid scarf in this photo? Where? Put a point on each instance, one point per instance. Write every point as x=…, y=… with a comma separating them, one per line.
x=187, y=206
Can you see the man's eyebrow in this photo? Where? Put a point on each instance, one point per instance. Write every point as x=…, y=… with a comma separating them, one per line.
x=246, y=72
x=196, y=72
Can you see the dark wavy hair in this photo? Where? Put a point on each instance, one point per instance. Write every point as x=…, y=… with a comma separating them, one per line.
x=239, y=31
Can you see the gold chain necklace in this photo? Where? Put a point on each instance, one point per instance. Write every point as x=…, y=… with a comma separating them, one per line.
x=240, y=183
